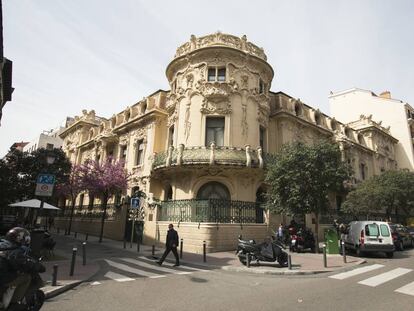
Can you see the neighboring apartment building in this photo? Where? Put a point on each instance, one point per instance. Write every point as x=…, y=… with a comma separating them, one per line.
x=47, y=140
x=6, y=67
x=201, y=147
x=395, y=114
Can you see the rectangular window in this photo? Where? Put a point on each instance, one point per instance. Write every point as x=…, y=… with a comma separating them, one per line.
x=91, y=201
x=211, y=74
x=221, y=74
x=49, y=146
x=371, y=230
x=81, y=197
x=262, y=137
x=215, y=131
x=261, y=86
x=216, y=74
x=171, y=136
x=384, y=230
x=140, y=152
x=362, y=168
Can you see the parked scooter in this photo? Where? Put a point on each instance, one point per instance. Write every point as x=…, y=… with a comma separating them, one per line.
x=302, y=240
x=268, y=251
x=34, y=297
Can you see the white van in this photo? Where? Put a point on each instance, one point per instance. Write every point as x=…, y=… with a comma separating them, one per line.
x=369, y=236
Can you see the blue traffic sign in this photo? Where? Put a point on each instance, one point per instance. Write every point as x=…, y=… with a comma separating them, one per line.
x=46, y=179
x=134, y=202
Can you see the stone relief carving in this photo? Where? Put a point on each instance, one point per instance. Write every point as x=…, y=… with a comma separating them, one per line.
x=244, y=125
x=187, y=123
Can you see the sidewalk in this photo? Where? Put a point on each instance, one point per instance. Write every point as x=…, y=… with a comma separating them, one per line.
x=302, y=263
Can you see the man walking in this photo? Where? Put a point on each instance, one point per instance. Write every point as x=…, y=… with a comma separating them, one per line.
x=171, y=245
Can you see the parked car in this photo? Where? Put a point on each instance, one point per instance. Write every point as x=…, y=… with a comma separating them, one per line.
x=369, y=236
x=401, y=236
x=411, y=231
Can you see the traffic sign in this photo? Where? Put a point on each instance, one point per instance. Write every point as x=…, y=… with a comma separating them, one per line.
x=44, y=185
x=135, y=203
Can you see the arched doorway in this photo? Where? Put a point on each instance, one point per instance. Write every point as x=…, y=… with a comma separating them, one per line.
x=213, y=190
x=214, y=201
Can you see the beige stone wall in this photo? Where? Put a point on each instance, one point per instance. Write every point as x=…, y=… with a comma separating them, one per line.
x=221, y=237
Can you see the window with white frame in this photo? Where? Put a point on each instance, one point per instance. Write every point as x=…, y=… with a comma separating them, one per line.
x=216, y=74
x=140, y=152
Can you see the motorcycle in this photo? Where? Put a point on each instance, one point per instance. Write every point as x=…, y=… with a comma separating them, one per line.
x=301, y=240
x=268, y=251
x=34, y=297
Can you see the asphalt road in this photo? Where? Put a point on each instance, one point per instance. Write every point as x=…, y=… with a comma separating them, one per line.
x=218, y=290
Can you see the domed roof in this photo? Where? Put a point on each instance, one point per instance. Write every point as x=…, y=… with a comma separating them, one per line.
x=220, y=39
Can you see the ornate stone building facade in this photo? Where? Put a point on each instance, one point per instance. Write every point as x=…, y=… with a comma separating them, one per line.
x=200, y=149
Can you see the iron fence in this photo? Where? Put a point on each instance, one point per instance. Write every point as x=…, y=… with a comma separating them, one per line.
x=211, y=210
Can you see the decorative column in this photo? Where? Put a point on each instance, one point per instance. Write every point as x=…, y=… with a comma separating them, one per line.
x=259, y=156
x=248, y=156
x=169, y=156
x=212, y=155
x=180, y=154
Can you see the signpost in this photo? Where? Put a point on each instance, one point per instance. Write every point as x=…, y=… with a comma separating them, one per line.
x=136, y=213
x=44, y=188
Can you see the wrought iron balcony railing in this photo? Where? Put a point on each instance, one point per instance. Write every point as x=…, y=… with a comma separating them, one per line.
x=211, y=210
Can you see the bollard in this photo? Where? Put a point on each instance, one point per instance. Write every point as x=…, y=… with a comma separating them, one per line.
x=248, y=260
x=86, y=236
x=124, y=243
x=325, y=263
x=204, y=252
x=138, y=246
x=84, y=253
x=289, y=262
x=153, y=250
x=72, y=264
x=181, y=249
x=76, y=235
x=343, y=251
x=54, y=276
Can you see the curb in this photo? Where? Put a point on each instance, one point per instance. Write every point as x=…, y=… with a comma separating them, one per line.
x=65, y=288
x=288, y=272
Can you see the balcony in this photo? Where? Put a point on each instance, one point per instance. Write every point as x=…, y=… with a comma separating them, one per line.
x=211, y=211
x=229, y=156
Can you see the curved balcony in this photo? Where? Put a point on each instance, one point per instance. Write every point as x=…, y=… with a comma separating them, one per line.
x=229, y=156
x=211, y=211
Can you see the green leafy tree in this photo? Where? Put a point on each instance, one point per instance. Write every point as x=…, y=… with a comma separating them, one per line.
x=19, y=172
x=392, y=192
x=301, y=176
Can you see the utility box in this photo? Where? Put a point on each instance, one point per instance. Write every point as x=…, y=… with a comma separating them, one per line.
x=331, y=240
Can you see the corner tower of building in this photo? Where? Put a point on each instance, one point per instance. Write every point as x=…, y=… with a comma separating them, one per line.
x=220, y=82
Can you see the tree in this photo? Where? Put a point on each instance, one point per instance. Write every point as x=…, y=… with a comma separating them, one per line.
x=300, y=177
x=392, y=191
x=104, y=180
x=71, y=188
x=19, y=171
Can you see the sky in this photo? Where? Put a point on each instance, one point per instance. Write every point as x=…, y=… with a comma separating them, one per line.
x=105, y=55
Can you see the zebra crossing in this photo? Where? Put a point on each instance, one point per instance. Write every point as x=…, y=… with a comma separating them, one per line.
x=129, y=269
x=378, y=279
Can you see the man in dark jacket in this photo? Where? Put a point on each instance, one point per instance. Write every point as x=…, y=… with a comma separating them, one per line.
x=171, y=245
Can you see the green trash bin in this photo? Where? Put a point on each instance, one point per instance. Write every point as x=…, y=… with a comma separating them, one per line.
x=331, y=240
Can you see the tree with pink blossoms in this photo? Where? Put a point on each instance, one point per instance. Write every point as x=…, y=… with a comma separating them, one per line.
x=104, y=180
x=72, y=187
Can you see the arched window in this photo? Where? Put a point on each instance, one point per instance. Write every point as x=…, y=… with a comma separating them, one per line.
x=213, y=190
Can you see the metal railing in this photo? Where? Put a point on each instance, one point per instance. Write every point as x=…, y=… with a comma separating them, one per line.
x=211, y=210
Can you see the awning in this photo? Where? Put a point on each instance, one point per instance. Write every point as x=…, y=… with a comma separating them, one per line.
x=34, y=203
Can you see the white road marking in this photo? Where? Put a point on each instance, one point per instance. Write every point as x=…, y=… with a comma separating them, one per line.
x=133, y=270
x=154, y=266
x=348, y=274
x=117, y=277
x=384, y=277
x=407, y=289
x=95, y=283
x=181, y=266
